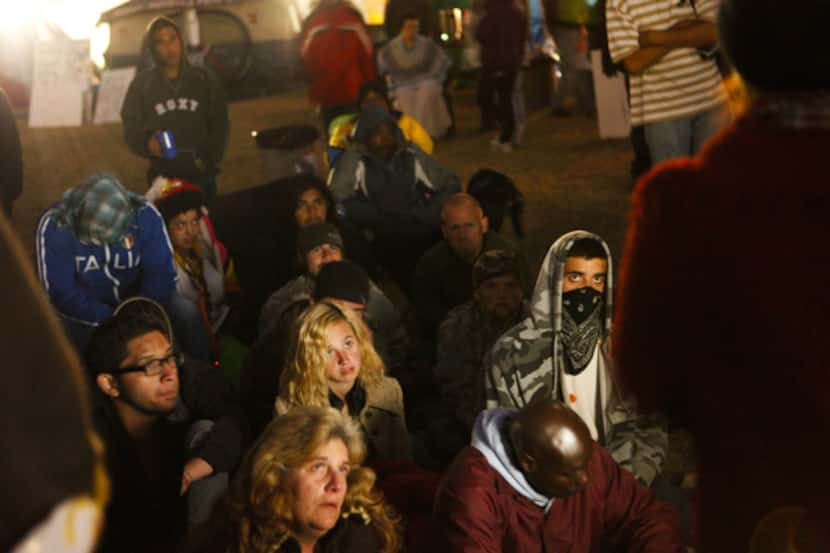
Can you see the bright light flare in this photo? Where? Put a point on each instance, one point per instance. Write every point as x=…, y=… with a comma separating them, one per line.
x=17, y=16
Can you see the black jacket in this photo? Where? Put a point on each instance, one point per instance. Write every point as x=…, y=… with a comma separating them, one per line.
x=193, y=108
x=145, y=512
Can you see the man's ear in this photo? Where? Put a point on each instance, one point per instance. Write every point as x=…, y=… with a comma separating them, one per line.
x=444, y=231
x=485, y=224
x=108, y=384
x=527, y=463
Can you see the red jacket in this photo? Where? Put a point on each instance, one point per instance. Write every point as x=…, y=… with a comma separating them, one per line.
x=723, y=318
x=479, y=512
x=338, y=53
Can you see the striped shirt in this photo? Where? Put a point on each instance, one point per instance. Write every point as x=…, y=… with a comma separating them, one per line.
x=682, y=83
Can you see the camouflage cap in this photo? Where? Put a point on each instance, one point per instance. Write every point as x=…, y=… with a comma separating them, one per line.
x=494, y=263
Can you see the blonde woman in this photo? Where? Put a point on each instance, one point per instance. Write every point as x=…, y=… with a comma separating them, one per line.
x=332, y=363
x=301, y=489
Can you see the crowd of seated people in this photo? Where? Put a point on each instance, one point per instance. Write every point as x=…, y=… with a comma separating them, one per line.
x=528, y=440
x=176, y=426
x=329, y=338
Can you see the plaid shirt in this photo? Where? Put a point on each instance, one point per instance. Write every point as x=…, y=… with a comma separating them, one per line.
x=99, y=210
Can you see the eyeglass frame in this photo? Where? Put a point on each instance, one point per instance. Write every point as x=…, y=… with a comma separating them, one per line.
x=176, y=357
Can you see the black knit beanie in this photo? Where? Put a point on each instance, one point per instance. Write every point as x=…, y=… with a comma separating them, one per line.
x=777, y=45
x=342, y=280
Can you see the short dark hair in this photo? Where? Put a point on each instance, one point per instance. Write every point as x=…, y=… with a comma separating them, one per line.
x=407, y=15
x=587, y=248
x=107, y=348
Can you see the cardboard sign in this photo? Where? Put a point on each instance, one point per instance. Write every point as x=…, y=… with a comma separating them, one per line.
x=61, y=79
x=111, y=92
x=613, y=113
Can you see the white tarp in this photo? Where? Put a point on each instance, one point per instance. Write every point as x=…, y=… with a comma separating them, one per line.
x=61, y=78
x=111, y=92
x=613, y=114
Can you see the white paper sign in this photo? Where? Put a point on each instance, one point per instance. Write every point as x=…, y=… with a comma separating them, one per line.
x=61, y=78
x=613, y=114
x=111, y=92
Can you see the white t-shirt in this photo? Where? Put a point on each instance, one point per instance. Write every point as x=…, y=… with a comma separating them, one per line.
x=581, y=393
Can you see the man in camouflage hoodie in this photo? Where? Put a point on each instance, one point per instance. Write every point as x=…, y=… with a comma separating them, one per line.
x=562, y=351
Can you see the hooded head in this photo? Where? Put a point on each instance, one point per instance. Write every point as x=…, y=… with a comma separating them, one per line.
x=579, y=312
x=99, y=210
x=769, y=41
x=164, y=41
x=378, y=131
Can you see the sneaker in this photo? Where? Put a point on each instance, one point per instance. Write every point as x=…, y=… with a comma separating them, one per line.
x=504, y=147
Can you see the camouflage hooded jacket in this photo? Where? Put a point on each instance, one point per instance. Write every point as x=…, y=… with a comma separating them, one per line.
x=525, y=364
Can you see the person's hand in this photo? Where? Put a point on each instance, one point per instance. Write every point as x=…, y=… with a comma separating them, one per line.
x=657, y=38
x=154, y=146
x=200, y=165
x=195, y=469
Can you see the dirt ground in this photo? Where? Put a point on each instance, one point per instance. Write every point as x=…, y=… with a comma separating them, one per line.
x=570, y=178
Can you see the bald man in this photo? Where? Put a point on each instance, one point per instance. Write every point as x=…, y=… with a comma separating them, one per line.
x=444, y=275
x=534, y=481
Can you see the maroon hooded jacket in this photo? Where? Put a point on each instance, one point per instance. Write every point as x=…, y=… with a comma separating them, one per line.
x=723, y=315
x=477, y=511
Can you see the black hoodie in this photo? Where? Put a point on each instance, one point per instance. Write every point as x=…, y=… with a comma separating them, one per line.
x=193, y=108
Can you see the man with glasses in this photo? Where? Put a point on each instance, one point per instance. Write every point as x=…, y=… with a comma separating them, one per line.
x=171, y=428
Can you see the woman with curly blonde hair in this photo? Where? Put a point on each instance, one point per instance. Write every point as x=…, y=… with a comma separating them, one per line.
x=300, y=489
x=332, y=363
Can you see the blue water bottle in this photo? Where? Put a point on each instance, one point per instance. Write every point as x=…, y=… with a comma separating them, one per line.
x=168, y=145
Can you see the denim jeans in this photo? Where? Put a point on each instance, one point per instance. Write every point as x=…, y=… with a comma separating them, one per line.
x=684, y=136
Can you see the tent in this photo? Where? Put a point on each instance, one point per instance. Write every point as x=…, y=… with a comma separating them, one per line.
x=251, y=44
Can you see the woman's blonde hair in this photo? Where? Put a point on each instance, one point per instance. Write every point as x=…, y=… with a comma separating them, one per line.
x=258, y=507
x=303, y=380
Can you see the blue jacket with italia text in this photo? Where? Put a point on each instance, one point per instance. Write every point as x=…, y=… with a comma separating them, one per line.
x=85, y=282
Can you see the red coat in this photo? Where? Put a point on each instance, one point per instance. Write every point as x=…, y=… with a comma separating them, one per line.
x=479, y=512
x=338, y=53
x=723, y=317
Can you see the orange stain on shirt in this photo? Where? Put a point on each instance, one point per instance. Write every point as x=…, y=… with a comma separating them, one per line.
x=572, y=397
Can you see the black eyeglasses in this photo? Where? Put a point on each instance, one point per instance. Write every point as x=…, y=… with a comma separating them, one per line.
x=154, y=366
